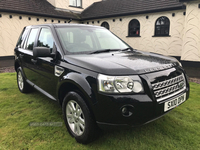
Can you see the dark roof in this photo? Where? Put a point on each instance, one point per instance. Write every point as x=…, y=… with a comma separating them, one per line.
x=185, y=0
x=102, y=9
x=111, y=8
x=34, y=7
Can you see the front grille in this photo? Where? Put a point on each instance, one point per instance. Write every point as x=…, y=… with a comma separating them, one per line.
x=168, y=88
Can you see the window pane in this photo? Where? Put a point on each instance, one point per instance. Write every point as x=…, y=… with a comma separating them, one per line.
x=45, y=39
x=166, y=21
x=31, y=39
x=106, y=42
x=162, y=26
x=158, y=22
x=134, y=28
x=72, y=2
x=78, y=3
x=162, y=30
x=166, y=30
x=22, y=38
x=106, y=25
x=158, y=30
x=88, y=39
x=134, y=23
x=70, y=37
x=162, y=22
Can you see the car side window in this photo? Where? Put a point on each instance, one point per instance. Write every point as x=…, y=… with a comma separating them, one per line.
x=22, y=38
x=31, y=39
x=45, y=38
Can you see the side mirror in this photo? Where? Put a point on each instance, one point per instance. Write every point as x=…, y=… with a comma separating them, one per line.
x=42, y=52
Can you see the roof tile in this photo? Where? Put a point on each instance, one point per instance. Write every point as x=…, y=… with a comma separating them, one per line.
x=34, y=7
x=109, y=8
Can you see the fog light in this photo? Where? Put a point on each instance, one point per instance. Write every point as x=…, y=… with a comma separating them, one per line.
x=127, y=110
x=124, y=110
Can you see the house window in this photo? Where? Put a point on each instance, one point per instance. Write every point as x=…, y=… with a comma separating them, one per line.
x=105, y=25
x=162, y=26
x=134, y=28
x=75, y=3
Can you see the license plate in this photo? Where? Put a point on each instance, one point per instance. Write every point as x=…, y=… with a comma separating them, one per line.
x=174, y=103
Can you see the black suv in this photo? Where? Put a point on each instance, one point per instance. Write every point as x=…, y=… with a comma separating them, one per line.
x=97, y=78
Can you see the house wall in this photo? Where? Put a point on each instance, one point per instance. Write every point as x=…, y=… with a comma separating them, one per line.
x=191, y=39
x=163, y=45
x=64, y=4
x=184, y=40
x=12, y=27
x=52, y=2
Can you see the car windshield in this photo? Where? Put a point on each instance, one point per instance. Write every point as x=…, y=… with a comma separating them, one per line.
x=88, y=39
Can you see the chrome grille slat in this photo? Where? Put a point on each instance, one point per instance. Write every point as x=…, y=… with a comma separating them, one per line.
x=168, y=88
x=167, y=82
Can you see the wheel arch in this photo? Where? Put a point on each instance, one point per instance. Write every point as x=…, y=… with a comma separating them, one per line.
x=76, y=83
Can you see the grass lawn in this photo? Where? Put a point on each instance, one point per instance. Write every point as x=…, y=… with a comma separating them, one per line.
x=179, y=129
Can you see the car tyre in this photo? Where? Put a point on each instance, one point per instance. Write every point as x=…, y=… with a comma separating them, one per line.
x=78, y=119
x=23, y=86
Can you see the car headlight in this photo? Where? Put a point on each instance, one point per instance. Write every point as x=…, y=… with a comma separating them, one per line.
x=120, y=84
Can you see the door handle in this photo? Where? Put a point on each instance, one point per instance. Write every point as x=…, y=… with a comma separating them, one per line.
x=34, y=61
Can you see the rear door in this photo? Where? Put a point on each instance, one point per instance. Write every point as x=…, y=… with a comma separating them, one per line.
x=26, y=54
x=19, y=53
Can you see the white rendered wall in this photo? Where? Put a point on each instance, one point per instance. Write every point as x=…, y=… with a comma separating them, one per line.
x=10, y=29
x=191, y=39
x=64, y=4
x=164, y=45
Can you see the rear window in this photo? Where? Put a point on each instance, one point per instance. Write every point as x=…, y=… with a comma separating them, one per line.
x=22, y=38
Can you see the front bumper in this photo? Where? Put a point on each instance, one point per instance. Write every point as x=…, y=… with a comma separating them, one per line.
x=108, y=110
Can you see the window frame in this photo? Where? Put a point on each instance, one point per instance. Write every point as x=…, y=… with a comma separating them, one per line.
x=76, y=4
x=129, y=28
x=165, y=26
x=105, y=22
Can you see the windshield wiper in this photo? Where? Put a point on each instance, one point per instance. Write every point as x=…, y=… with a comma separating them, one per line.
x=103, y=51
x=126, y=49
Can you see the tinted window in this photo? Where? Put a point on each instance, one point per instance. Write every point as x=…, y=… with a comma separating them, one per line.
x=134, y=28
x=105, y=25
x=31, y=39
x=45, y=38
x=162, y=26
x=22, y=38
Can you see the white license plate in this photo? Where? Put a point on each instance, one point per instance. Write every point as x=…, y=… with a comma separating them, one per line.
x=174, y=103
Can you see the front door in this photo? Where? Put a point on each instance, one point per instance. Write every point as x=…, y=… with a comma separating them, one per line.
x=44, y=66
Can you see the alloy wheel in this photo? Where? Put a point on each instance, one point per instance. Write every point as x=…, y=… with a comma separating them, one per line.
x=75, y=117
x=20, y=80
